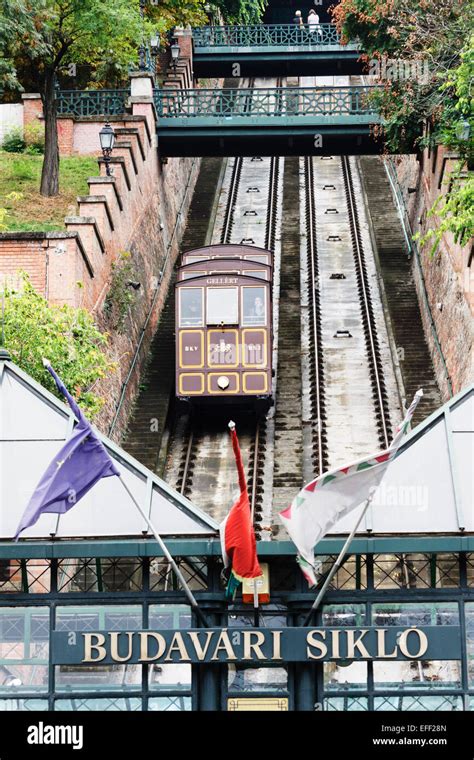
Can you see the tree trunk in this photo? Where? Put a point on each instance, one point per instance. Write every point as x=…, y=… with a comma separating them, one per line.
x=50, y=172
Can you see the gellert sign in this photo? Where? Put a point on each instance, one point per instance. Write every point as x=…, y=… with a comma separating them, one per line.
x=224, y=645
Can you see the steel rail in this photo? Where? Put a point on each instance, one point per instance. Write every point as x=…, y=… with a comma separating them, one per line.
x=368, y=317
x=314, y=295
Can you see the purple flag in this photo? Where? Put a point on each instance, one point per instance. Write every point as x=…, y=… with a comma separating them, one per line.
x=76, y=468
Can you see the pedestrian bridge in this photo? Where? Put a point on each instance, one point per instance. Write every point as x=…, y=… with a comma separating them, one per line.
x=267, y=121
x=273, y=50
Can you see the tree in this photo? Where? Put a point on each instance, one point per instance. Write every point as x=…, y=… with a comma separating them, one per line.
x=49, y=34
x=39, y=38
x=242, y=11
x=410, y=31
x=67, y=337
x=441, y=37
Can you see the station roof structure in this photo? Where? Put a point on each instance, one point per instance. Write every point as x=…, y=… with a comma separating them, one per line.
x=33, y=426
x=428, y=489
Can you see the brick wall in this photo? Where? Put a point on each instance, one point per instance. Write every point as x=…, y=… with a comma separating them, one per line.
x=54, y=261
x=28, y=255
x=32, y=108
x=448, y=274
x=65, y=136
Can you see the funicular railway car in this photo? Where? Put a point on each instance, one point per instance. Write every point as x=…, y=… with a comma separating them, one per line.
x=224, y=327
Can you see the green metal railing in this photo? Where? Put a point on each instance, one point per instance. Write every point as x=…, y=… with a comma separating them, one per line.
x=92, y=102
x=261, y=35
x=265, y=102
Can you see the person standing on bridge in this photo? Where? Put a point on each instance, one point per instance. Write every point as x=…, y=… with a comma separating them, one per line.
x=313, y=23
x=298, y=20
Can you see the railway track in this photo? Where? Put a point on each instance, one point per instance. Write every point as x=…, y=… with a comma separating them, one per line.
x=199, y=460
x=348, y=369
x=374, y=357
x=206, y=462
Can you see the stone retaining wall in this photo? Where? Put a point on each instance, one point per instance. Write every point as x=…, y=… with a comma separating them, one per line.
x=448, y=274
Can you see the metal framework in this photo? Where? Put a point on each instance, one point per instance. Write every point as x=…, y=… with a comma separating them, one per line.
x=92, y=102
x=267, y=102
x=236, y=103
x=211, y=547
x=124, y=601
x=267, y=35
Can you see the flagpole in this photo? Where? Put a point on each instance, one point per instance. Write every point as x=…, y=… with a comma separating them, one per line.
x=338, y=562
x=256, y=617
x=179, y=575
x=393, y=448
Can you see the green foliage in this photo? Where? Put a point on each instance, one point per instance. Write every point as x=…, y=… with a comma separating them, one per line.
x=242, y=11
x=423, y=32
x=121, y=295
x=455, y=210
x=170, y=13
x=67, y=337
x=441, y=36
x=30, y=142
x=458, y=109
x=103, y=37
x=34, y=139
x=40, y=38
x=13, y=142
x=13, y=196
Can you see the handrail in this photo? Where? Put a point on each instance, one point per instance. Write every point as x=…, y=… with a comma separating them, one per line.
x=92, y=102
x=256, y=35
x=265, y=101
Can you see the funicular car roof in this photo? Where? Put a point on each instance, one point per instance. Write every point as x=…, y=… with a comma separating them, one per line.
x=247, y=263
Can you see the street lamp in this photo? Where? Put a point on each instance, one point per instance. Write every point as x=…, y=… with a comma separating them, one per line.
x=175, y=51
x=107, y=142
x=155, y=44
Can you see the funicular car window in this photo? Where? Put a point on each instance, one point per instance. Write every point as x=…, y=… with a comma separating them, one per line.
x=190, y=307
x=192, y=258
x=222, y=306
x=260, y=273
x=253, y=305
x=193, y=273
x=259, y=259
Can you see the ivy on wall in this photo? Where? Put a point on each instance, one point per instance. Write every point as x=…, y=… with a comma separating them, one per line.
x=122, y=292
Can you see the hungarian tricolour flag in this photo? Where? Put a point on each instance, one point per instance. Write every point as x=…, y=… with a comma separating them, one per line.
x=324, y=501
x=239, y=550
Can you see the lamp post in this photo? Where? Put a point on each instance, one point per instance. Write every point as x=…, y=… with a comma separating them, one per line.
x=107, y=142
x=175, y=51
x=141, y=49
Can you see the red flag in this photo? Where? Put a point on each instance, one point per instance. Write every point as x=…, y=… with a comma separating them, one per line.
x=239, y=550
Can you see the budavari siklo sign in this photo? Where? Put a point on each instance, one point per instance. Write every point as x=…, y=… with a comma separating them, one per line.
x=226, y=645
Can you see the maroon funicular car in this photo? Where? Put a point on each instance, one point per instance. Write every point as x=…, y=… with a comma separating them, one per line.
x=224, y=326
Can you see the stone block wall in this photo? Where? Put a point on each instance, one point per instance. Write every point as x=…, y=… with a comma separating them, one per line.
x=448, y=274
